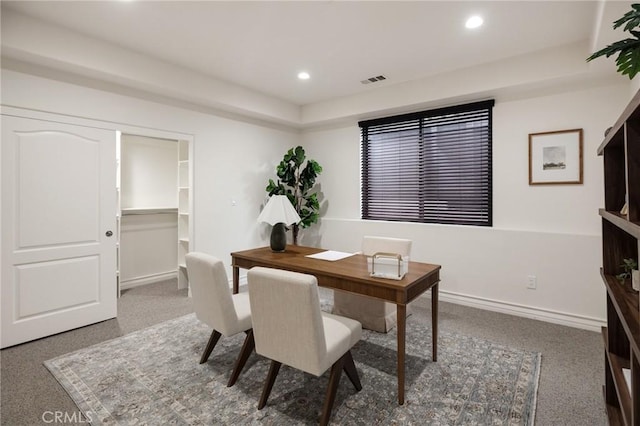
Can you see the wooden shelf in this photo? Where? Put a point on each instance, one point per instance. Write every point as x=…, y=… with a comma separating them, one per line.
x=614, y=414
x=616, y=364
x=620, y=236
x=631, y=228
x=625, y=301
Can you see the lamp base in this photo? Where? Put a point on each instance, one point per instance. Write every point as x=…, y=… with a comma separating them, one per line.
x=278, y=237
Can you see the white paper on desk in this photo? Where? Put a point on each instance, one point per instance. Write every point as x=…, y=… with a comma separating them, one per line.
x=330, y=255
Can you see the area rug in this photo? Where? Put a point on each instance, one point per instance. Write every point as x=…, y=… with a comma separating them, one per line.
x=152, y=377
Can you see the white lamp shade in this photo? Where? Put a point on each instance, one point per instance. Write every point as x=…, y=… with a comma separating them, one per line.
x=279, y=210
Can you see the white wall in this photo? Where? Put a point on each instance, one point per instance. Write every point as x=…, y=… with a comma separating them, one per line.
x=148, y=248
x=233, y=159
x=149, y=172
x=552, y=232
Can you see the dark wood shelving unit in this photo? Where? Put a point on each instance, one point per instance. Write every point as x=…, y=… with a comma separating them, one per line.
x=620, y=240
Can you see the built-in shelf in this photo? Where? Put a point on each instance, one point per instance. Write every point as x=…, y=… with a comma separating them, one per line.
x=149, y=210
x=118, y=214
x=620, y=236
x=184, y=208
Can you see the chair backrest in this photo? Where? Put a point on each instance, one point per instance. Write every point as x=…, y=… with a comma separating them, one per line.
x=372, y=245
x=287, y=323
x=212, y=298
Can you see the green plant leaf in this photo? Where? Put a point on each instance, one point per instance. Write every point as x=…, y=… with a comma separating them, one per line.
x=308, y=176
x=629, y=264
x=288, y=156
x=612, y=49
x=274, y=189
x=628, y=50
x=312, y=202
x=631, y=18
x=299, y=156
x=628, y=60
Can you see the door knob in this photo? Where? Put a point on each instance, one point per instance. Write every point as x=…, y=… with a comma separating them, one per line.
x=108, y=233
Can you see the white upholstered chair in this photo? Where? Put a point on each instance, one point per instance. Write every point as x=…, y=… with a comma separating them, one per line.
x=228, y=314
x=373, y=314
x=290, y=328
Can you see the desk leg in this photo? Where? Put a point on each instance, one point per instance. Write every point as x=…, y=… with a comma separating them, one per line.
x=402, y=331
x=434, y=321
x=236, y=280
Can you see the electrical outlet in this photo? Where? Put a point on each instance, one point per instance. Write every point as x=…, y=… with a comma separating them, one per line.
x=531, y=282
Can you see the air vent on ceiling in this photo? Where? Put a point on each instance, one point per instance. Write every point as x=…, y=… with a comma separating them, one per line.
x=373, y=79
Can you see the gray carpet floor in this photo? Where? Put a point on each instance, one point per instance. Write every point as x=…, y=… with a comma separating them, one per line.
x=570, y=390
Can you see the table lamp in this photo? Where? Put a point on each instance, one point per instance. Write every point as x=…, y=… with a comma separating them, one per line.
x=279, y=213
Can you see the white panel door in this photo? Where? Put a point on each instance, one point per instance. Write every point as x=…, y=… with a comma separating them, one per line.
x=58, y=228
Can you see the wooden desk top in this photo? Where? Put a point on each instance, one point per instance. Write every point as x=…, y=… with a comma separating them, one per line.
x=349, y=274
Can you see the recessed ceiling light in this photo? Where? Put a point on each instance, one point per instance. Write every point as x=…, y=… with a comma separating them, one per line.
x=303, y=75
x=474, y=22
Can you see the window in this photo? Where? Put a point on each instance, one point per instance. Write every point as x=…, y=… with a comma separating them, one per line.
x=431, y=166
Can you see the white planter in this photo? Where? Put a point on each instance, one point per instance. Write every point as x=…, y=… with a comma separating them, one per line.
x=635, y=279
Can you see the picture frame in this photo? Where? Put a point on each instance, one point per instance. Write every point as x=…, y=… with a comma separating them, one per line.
x=555, y=158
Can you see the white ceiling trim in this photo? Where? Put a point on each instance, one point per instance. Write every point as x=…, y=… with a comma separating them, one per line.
x=34, y=41
x=30, y=40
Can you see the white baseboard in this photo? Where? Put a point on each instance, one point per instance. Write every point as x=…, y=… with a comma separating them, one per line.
x=147, y=279
x=562, y=318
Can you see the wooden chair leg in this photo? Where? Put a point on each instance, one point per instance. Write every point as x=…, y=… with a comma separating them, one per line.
x=352, y=373
x=215, y=336
x=332, y=388
x=247, y=348
x=271, y=378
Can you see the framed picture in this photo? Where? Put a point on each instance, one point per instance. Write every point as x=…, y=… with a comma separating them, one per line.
x=555, y=158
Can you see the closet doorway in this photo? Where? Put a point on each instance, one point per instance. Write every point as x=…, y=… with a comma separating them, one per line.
x=154, y=187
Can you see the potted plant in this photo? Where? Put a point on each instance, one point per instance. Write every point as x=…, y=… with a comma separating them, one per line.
x=296, y=178
x=630, y=270
x=628, y=50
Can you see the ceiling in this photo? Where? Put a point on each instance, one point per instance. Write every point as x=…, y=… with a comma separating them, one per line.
x=263, y=45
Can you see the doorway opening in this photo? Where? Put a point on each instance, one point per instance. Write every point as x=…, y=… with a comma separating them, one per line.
x=154, y=206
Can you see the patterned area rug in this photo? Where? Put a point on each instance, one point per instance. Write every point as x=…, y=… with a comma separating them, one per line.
x=152, y=377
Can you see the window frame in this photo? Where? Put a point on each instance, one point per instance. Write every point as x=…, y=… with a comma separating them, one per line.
x=471, y=124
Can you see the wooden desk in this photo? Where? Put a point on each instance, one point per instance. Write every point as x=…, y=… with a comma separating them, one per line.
x=351, y=275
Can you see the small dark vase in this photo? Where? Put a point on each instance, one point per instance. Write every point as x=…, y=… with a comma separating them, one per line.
x=278, y=237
